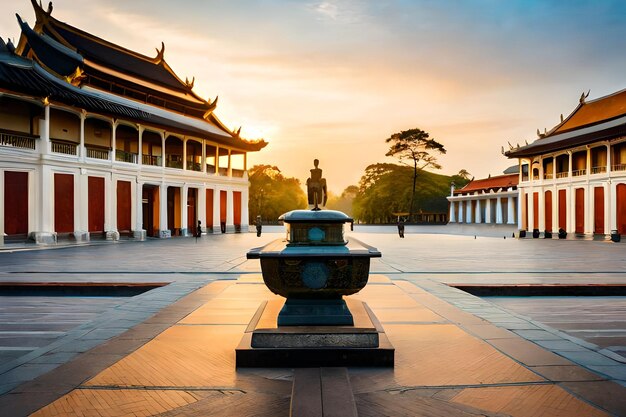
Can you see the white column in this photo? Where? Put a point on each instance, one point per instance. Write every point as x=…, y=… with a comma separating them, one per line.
x=245, y=222
x=461, y=211
x=203, y=159
x=138, y=208
x=81, y=201
x=230, y=168
x=478, y=214
x=217, y=161
x=230, y=226
x=184, y=155
x=110, y=190
x=202, y=204
x=82, y=153
x=499, y=210
x=569, y=172
x=184, y=218
x=608, y=159
x=44, y=127
x=140, y=130
x=163, y=226
x=510, y=210
x=452, y=212
x=162, y=151
x=468, y=211
x=113, y=140
x=488, y=211
x=570, y=199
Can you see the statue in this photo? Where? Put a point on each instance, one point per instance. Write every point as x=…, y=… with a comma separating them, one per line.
x=316, y=187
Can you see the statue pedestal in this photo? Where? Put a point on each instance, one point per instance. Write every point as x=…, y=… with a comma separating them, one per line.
x=266, y=345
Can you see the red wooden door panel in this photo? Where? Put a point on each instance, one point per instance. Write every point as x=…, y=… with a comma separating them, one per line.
x=95, y=186
x=598, y=210
x=15, y=203
x=123, y=206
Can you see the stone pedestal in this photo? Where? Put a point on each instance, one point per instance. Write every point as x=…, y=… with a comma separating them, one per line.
x=43, y=238
x=265, y=344
x=81, y=236
x=113, y=235
x=165, y=234
x=315, y=312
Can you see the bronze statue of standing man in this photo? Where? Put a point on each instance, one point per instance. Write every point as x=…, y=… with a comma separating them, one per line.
x=316, y=187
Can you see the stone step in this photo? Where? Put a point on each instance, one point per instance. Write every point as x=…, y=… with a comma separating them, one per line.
x=322, y=392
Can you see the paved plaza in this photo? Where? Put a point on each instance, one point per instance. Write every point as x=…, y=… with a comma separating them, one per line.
x=170, y=351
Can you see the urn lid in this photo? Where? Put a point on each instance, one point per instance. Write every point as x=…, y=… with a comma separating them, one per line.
x=315, y=216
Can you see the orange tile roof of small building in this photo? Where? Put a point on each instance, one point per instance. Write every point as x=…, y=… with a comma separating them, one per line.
x=595, y=111
x=500, y=181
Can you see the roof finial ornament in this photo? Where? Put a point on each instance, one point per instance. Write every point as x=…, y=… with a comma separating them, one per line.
x=49, y=11
x=238, y=132
x=538, y=133
x=190, y=84
x=211, y=106
x=160, y=54
x=561, y=117
x=510, y=146
x=583, y=96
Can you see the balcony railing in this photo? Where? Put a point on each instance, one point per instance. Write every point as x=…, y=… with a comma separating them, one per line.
x=154, y=160
x=66, y=148
x=124, y=156
x=238, y=173
x=598, y=170
x=561, y=174
x=223, y=171
x=619, y=167
x=174, y=161
x=194, y=166
x=97, y=153
x=547, y=176
x=579, y=172
x=210, y=169
x=17, y=140
x=535, y=177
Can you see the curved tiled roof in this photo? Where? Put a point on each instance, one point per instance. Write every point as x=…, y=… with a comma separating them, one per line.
x=491, y=183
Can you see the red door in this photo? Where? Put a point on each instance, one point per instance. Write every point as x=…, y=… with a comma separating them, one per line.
x=525, y=218
x=237, y=209
x=621, y=209
x=63, y=203
x=15, y=203
x=223, y=207
x=598, y=210
x=123, y=206
x=548, y=210
x=563, y=209
x=95, y=187
x=580, y=210
x=209, y=208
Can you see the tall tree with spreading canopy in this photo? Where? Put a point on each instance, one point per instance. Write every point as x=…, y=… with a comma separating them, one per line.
x=415, y=148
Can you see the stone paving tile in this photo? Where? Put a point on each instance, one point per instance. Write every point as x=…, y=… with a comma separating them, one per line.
x=528, y=401
x=587, y=358
x=537, y=335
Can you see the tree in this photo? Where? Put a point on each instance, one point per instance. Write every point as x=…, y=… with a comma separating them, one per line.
x=344, y=201
x=385, y=189
x=272, y=194
x=464, y=174
x=415, y=145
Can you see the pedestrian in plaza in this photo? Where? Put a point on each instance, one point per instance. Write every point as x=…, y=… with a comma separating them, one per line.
x=259, y=226
x=198, y=230
x=401, y=228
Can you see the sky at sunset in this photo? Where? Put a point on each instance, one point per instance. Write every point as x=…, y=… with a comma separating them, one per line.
x=332, y=79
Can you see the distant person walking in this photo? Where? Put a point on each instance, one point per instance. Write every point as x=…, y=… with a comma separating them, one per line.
x=198, y=230
x=401, y=228
x=259, y=226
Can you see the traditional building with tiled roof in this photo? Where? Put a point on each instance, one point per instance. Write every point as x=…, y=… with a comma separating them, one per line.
x=490, y=200
x=98, y=140
x=573, y=177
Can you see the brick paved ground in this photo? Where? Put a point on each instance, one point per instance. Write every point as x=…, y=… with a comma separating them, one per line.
x=456, y=354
